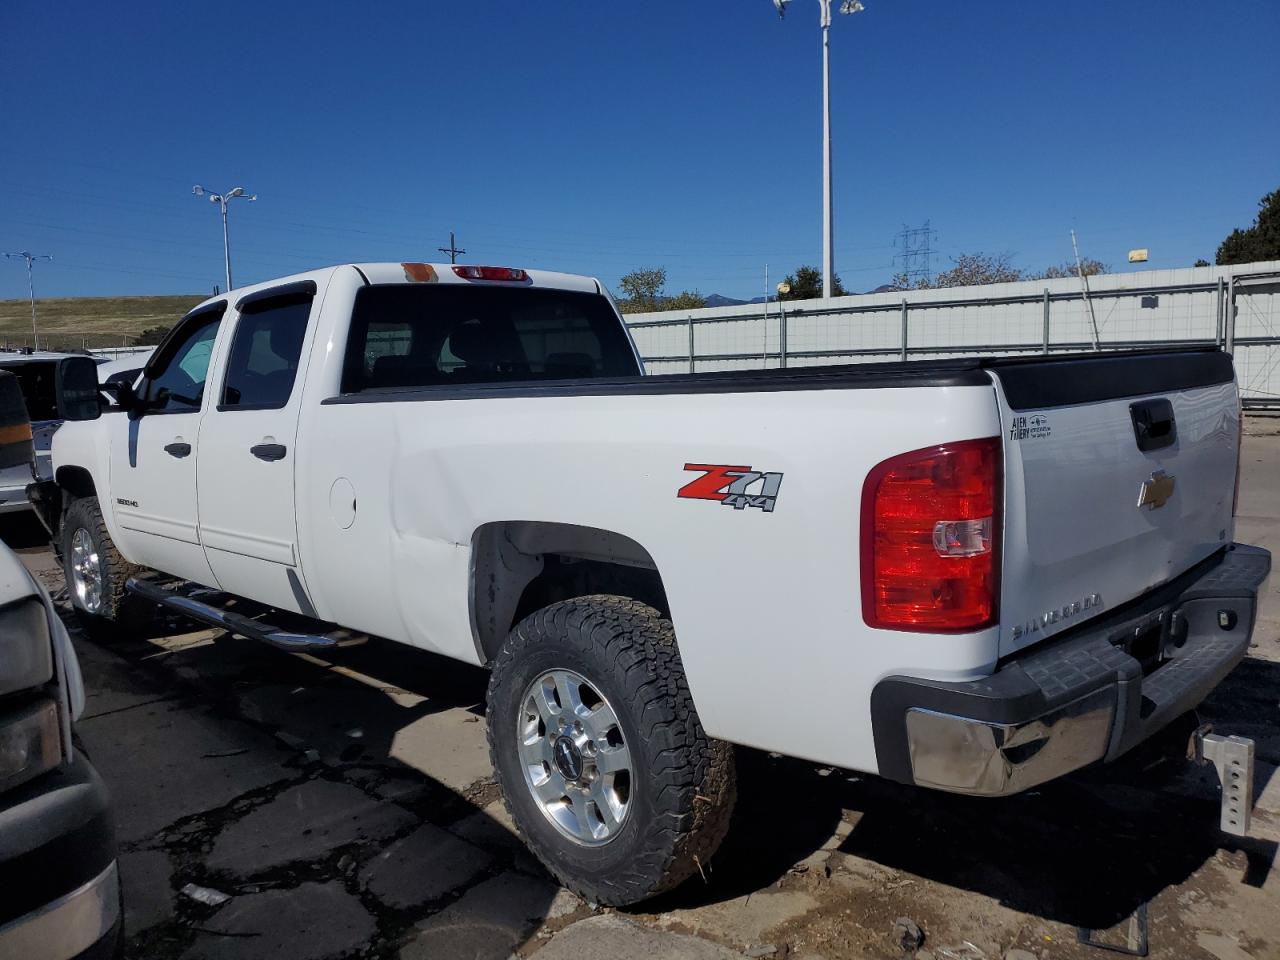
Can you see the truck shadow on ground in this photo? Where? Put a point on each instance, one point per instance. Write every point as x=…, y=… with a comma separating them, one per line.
x=1085, y=851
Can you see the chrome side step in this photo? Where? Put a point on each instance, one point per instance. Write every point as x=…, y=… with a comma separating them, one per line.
x=228, y=620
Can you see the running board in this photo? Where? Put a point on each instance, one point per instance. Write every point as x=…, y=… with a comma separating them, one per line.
x=227, y=620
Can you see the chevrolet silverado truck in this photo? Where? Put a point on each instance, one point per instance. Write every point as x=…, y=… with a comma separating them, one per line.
x=973, y=575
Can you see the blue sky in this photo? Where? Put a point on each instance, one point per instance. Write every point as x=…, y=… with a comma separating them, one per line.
x=597, y=137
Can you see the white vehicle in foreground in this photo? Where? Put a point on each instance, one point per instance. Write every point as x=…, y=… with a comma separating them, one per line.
x=973, y=575
x=58, y=867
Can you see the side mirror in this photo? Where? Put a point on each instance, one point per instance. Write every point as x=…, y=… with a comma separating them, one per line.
x=76, y=389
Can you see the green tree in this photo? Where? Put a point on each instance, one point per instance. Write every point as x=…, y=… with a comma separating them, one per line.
x=684, y=300
x=645, y=292
x=642, y=289
x=1261, y=241
x=971, y=269
x=1089, y=266
x=1202, y=262
x=806, y=284
x=968, y=269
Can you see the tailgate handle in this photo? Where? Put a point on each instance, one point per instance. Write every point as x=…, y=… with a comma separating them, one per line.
x=1153, y=424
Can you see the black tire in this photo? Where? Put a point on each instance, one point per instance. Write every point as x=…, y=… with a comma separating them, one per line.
x=119, y=614
x=683, y=786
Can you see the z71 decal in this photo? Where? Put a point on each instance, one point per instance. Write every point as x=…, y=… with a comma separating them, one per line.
x=737, y=487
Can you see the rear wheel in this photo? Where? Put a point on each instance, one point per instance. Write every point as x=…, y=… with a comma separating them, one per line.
x=96, y=573
x=602, y=760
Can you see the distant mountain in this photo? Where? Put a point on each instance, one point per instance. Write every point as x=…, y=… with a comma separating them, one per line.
x=718, y=300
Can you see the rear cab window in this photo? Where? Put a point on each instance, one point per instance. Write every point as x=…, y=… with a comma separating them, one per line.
x=404, y=336
x=36, y=378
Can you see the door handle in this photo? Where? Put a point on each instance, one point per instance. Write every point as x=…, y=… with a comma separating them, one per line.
x=269, y=451
x=1154, y=427
x=177, y=449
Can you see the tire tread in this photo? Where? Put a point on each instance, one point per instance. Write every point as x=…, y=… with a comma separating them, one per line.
x=693, y=775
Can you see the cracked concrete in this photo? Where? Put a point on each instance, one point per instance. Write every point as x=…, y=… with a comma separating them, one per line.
x=153, y=751
x=312, y=921
x=422, y=867
x=304, y=822
x=487, y=923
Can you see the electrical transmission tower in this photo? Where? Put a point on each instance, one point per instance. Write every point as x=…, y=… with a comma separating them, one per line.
x=915, y=255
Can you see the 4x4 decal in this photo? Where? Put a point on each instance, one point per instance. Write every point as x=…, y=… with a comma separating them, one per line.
x=737, y=487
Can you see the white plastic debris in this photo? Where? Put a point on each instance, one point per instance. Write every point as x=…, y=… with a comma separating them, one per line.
x=206, y=895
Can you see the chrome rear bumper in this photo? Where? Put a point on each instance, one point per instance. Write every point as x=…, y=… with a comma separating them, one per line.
x=1088, y=695
x=969, y=756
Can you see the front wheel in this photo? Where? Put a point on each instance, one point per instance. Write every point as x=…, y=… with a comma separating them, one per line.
x=95, y=573
x=602, y=760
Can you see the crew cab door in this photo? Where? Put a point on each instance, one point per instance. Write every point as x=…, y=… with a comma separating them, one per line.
x=153, y=463
x=245, y=463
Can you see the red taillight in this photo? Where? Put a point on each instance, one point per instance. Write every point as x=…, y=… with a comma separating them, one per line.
x=930, y=537
x=491, y=273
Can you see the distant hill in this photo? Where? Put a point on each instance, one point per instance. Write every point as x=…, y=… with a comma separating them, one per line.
x=716, y=300
x=68, y=322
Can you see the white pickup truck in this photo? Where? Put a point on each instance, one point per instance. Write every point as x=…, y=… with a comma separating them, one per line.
x=973, y=575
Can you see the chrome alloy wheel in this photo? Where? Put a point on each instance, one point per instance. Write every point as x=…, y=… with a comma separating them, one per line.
x=86, y=571
x=576, y=763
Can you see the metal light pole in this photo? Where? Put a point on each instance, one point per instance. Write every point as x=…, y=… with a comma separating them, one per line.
x=828, y=227
x=31, y=288
x=222, y=199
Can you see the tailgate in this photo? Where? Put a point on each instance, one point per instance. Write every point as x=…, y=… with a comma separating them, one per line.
x=1119, y=475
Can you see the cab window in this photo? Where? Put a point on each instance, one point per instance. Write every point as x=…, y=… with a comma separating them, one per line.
x=265, y=354
x=175, y=380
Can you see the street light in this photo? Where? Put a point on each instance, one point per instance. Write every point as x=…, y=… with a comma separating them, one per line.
x=222, y=199
x=31, y=288
x=828, y=259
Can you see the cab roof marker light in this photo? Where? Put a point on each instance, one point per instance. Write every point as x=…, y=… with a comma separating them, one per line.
x=508, y=274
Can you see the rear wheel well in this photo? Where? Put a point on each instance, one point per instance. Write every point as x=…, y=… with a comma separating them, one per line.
x=522, y=566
